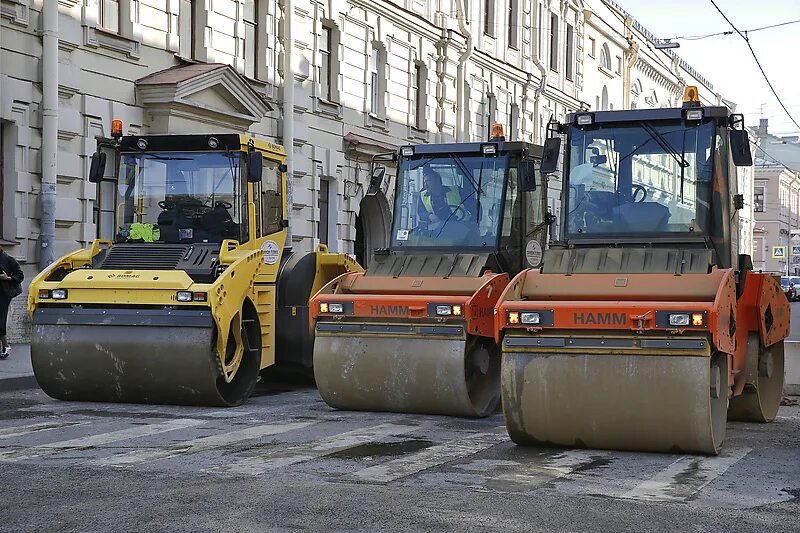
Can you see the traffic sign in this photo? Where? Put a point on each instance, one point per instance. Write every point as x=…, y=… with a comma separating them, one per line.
x=779, y=252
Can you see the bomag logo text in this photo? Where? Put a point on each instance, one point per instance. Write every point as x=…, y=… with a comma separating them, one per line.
x=389, y=310
x=608, y=319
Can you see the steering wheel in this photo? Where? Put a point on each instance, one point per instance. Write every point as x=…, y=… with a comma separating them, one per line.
x=224, y=204
x=166, y=205
x=464, y=212
x=636, y=190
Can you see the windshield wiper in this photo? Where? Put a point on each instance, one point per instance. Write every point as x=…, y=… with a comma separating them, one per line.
x=166, y=158
x=664, y=144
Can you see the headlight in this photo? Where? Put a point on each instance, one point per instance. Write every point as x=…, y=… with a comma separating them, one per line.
x=444, y=310
x=694, y=114
x=679, y=319
x=530, y=318
x=184, y=296
x=336, y=308
x=489, y=149
x=58, y=294
x=584, y=120
x=407, y=151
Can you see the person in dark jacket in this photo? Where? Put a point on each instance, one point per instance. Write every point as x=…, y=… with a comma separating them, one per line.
x=10, y=276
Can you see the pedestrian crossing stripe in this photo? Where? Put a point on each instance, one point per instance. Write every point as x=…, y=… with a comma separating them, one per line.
x=671, y=479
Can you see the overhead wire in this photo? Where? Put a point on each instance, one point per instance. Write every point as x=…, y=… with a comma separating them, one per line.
x=766, y=78
x=729, y=32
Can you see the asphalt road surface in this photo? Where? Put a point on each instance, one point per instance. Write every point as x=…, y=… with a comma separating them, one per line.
x=286, y=461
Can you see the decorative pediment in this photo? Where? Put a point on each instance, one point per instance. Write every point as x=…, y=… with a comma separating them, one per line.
x=192, y=98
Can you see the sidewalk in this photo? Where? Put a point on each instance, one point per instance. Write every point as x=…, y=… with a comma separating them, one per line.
x=16, y=372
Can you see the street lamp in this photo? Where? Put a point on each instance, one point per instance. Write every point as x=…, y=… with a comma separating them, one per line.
x=666, y=43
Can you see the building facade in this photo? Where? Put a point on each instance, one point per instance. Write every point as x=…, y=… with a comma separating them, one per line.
x=367, y=77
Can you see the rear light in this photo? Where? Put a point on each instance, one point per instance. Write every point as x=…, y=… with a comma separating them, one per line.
x=456, y=310
x=444, y=310
x=697, y=319
x=679, y=319
x=530, y=318
x=323, y=307
x=336, y=308
x=513, y=317
x=58, y=294
x=200, y=296
x=44, y=294
x=184, y=296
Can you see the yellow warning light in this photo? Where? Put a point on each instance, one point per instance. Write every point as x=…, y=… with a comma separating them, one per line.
x=497, y=131
x=513, y=317
x=697, y=319
x=323, y=307
x=116, y=128
x=457, y=310
x=691, y=96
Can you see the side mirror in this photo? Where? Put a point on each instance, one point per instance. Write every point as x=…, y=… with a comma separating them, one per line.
x=97, y=168
x=740, y=148
x=376, y=180
x=550, y=153
x=527, y=175
x=254, y=167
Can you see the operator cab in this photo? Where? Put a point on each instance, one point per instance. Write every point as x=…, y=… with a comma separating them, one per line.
x=653, y=177
x=462, y=198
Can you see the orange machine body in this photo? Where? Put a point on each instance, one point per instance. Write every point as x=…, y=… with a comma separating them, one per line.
x=640, y=305
x=471, y=300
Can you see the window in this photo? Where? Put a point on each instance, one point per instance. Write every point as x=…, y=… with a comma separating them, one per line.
x=605, y=57
x=513, y=123
x=108, y=16
x=377, y=79
x=619, y=65
x=513, y=29
x=271, y=198
x=251, y=38
x=325, y=72
x=568, y=69
x=105, y=199
x=323, y=201
x=554, y=42
x=592, y=46
x=419, y=96
x=488, y=17
x=491, y=104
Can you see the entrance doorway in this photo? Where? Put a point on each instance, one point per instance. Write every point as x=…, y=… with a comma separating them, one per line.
x=373, y=223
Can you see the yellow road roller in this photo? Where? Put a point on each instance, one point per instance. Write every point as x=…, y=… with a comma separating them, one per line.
x=414, y=333
x=646, y=327
x=196, y=294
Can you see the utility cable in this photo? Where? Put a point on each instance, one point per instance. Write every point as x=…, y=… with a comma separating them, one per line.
x=747, y=40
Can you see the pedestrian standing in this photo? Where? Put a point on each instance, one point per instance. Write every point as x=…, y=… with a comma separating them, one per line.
x=10, y=286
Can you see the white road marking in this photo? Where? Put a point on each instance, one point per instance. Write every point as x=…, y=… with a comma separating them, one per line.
x=311, y=450
x=429, y=458
x=686, y=476
x=552, y=467
x=18, y=431
x=98, y=440
x=198, y=445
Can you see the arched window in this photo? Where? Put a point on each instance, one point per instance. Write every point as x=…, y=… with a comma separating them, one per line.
x=605, y=57
x=604, y=99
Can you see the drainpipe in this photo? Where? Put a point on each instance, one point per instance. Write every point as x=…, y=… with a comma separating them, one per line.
x=49, y=131
x=461, y=75
x=630, y=61
x=537, y=95
x=288, y=114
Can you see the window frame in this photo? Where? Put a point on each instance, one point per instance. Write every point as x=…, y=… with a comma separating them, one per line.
x=102, y=16
x=325, y=71
x=569, y=56
x=554, y=42
x=513, y=24
x=488, y=18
